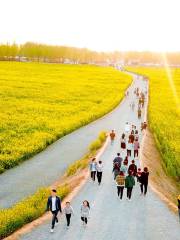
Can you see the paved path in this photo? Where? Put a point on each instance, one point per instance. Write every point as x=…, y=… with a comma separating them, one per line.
x=47, y=166
x=144, y=218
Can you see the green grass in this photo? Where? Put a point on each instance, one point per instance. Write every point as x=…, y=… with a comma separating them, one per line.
x=83, y=163
x=40, y=103
x=27, y=210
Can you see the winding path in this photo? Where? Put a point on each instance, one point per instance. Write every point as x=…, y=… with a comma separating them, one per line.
x=47, y=166
x=144, y=218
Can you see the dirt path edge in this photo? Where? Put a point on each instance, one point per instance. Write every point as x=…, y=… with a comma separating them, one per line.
x=164, y=186
x=77, y=181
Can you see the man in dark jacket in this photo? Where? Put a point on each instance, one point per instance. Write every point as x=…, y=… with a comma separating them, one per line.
x=54, y=205
x=118, y=160
x=133, y=168
x=144, y=180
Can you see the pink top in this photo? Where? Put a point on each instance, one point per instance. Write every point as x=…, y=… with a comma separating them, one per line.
x=136, y=145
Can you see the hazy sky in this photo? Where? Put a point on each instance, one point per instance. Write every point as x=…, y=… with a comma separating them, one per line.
x=95, y=24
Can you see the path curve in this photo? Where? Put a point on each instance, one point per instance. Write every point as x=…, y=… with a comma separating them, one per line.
x=46, y=167
x=144, y=218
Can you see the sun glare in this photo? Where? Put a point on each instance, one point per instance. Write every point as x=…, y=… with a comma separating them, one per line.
x=171, y=82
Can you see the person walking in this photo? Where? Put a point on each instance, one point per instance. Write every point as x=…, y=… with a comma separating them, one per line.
x=136, y=147
x=138, y=175
x=136, y=134
x=129, y=184
x=132, y=168
x=123, y=141
x=85, y=211
x=118, y=160
x=143, y=126
x=127, y=128
x=126, y=159
x=124, y=167
x=132, y=137
x=93, y=169
x=99, y=169
x=68, y=211
x=54, y=205
x=120, y=181
x=129, y=148
x=116, y=170
x=144, y=181
x=112, y=136
x=179, y=206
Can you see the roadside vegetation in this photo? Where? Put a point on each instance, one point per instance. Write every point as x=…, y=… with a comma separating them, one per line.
x=83, y=163
x=34, y=206
x=41, y=103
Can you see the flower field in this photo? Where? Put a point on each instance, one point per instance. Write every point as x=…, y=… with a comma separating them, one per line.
x=164, y=114
x=40, y=103
x=33, y=206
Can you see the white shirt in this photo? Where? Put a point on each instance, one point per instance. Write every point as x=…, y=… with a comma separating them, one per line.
x=53, y=203
x=127, y=127
x=93, y=167
x=129, y=146
x=99, y=167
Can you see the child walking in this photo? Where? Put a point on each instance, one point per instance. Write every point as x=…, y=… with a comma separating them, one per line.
x=68, y=211
x=85, y=210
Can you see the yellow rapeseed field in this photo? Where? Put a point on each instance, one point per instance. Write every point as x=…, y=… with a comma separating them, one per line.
x=164, y=113
x=43, y=102
x=33, y=206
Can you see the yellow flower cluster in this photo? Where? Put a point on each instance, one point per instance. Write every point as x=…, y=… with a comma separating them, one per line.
x=42, y=102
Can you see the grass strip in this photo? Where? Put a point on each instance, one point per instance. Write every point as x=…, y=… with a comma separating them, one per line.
x=34, y=206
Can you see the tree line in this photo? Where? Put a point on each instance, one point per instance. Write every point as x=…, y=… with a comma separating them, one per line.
x=31, y=51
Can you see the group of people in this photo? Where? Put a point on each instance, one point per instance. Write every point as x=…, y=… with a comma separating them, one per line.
x=141, y=100
x=126, y=177
x=125, y=171
x=54, y=205
x=54, y=202
x=131, y=144
x=96, y=169
x=140, y=96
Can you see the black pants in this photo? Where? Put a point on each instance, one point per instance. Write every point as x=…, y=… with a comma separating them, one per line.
x=99, y=177
x=84, y=219
x=120, y=190
x=93, y=175
x=129, y=192
x=144, y=188
x=54, y=218
x=136, y=153
x=128, y=152
x=68, y=218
